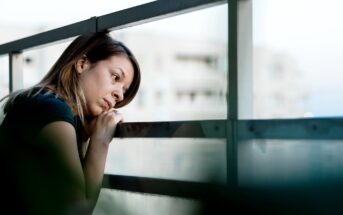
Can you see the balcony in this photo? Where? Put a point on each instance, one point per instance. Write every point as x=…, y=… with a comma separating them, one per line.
x=216, y=126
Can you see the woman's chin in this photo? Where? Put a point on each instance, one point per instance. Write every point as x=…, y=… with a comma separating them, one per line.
x=96, y=112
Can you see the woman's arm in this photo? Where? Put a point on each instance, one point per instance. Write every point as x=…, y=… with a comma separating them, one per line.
x=94, y=165
x=89, y=177
x=60, y=137
x=100, y=131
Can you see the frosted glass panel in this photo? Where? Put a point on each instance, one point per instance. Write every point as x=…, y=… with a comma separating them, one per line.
x=202, y=160
x=289, y=162
x=129, y=203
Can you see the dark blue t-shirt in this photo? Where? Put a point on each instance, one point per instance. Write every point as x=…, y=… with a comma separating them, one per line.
x=28, y=115
x=34, y=174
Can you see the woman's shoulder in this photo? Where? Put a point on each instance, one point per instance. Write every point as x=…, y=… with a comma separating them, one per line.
x=43, y=105
x=49, y=100
x=43, y=99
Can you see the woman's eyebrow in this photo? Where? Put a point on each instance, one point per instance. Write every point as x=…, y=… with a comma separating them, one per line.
x=123, y=74
x=121, y=71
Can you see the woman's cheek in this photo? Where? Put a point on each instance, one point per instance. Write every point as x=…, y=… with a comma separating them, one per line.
x=93, y=110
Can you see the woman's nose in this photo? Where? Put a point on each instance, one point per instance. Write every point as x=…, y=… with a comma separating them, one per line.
x=118, y=94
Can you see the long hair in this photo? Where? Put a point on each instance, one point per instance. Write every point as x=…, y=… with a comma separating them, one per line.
x=96, y=46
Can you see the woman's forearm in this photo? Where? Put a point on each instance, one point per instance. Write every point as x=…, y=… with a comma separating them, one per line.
x=94, y=166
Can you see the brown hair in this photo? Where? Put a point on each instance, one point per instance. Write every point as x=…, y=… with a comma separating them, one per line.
x=96, y=46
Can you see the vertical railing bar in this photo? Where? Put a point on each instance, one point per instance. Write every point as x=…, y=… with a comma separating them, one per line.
x=15, y=71
x=231, y=149
x=10, y=75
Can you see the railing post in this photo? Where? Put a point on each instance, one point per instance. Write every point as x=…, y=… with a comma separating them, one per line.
x=231, y=140
x=16, y=79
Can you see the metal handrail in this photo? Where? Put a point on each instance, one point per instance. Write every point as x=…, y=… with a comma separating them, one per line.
x=121, y=19
x=324, y=128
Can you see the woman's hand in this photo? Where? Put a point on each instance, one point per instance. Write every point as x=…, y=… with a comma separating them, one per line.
x=102, y=128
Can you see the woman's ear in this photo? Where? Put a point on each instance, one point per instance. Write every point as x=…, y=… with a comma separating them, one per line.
x=82, y=64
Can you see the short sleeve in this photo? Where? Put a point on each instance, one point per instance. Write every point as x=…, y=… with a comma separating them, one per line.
x=49, y=108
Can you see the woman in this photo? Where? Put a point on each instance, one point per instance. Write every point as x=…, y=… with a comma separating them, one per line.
x=55, y=135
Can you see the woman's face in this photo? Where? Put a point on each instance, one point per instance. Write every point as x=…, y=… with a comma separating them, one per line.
x=104, y=83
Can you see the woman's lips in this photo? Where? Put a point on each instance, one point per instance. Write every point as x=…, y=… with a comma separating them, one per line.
x=108, y=104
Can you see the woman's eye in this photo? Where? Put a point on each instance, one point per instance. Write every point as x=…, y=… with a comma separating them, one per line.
x=114, y=77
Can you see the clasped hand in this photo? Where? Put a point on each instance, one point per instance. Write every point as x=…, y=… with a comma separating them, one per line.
x=102, y=128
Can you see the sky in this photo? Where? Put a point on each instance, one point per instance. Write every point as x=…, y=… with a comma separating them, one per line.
x=32, y=12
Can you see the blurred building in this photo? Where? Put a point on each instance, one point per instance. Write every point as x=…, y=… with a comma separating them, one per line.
x=185, y=78
x=277, y=85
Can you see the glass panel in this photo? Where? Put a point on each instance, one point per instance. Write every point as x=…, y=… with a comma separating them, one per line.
x=38, y=61
x=297, y=48
x=121, y=202
x=4, y=80
x=202, y=160
x=184, y=68
x=4, y=75
x=270, y=163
